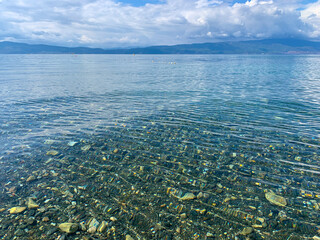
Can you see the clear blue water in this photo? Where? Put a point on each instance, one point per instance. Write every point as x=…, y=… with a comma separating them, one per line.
x=253, y=119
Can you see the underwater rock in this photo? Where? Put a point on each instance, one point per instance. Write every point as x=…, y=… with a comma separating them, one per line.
x=49, y=141
x=32, y=204
x=51, y=231
x=52, y=153
x=128, y=237
x=183, y=216
x=257, y=226
x=93, y=223
x=92, y=229
x=188, y=196
x=246, y=231
x=209, y=235
x=102, y=226
x=19, y=233
x=72, y=143
x=83, y=226
x=276, y=199
x=68, y=227
x=86, y=148
x=17, y=210
x=31, y=178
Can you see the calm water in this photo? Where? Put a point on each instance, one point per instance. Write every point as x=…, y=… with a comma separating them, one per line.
x=147, y=129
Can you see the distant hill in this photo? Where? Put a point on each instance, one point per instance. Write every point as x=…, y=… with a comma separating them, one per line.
x=23, y=48
x=267, y=46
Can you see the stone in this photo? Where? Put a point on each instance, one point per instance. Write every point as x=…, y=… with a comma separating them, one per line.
x=92, y=230
x=31, y=204
x=42, y=209
x=83, y=226
x=49, y=141
x=51, y=231
x=257, y=226
x=86, y=148
x=93, y=223
x=183, y=216
x=200, y=195
x=188, y=196
x=246, y=231
x=219, y=190
x=31, y=221
x=276, y=199
x=31, y=178
x=19, y=233
x=17, y=210
x=68, y=227
x=45, y=219
x=52, y=153
x=102, y=226
x=209, y=235
x=128, y=237
x=62, y=237
x=158, y=227
x=226, y=200
x=72, y=143
x=113, y=219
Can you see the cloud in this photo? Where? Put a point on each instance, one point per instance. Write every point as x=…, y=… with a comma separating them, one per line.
x=311, y=15
x=107, y=23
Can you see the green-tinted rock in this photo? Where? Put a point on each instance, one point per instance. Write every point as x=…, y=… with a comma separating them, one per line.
x=276, y=199
x=68, y=227
x=188, y=196
x=246, y=231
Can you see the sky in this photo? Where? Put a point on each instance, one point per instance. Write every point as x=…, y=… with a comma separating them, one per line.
x=134, y=23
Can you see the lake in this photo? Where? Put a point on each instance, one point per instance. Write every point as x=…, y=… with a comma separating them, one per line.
x=159, y=146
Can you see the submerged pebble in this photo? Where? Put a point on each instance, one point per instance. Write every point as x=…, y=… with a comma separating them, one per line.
x=52, y=153
x=102, y=226
x=128, y=237
x=72, y=143
x=246, y=231
x=32, y=204
x=276, y=199
x=17, y=210
x=188, y=196
x=68, y=227
x=86, y=148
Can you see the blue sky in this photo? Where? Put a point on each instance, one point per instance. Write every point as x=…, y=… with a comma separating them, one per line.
x=130, y=23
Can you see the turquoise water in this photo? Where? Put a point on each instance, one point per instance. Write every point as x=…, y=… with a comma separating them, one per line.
x=134, y=134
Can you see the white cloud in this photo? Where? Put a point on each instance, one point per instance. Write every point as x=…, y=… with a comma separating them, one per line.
x=105, y=23
x=311, y=15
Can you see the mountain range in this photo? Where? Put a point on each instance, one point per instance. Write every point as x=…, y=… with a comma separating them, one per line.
x=267, y=46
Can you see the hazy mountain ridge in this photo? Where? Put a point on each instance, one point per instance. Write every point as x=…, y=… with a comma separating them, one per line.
x=267, y=46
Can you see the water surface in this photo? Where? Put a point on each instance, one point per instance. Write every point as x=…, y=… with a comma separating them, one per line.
x=128, y=136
